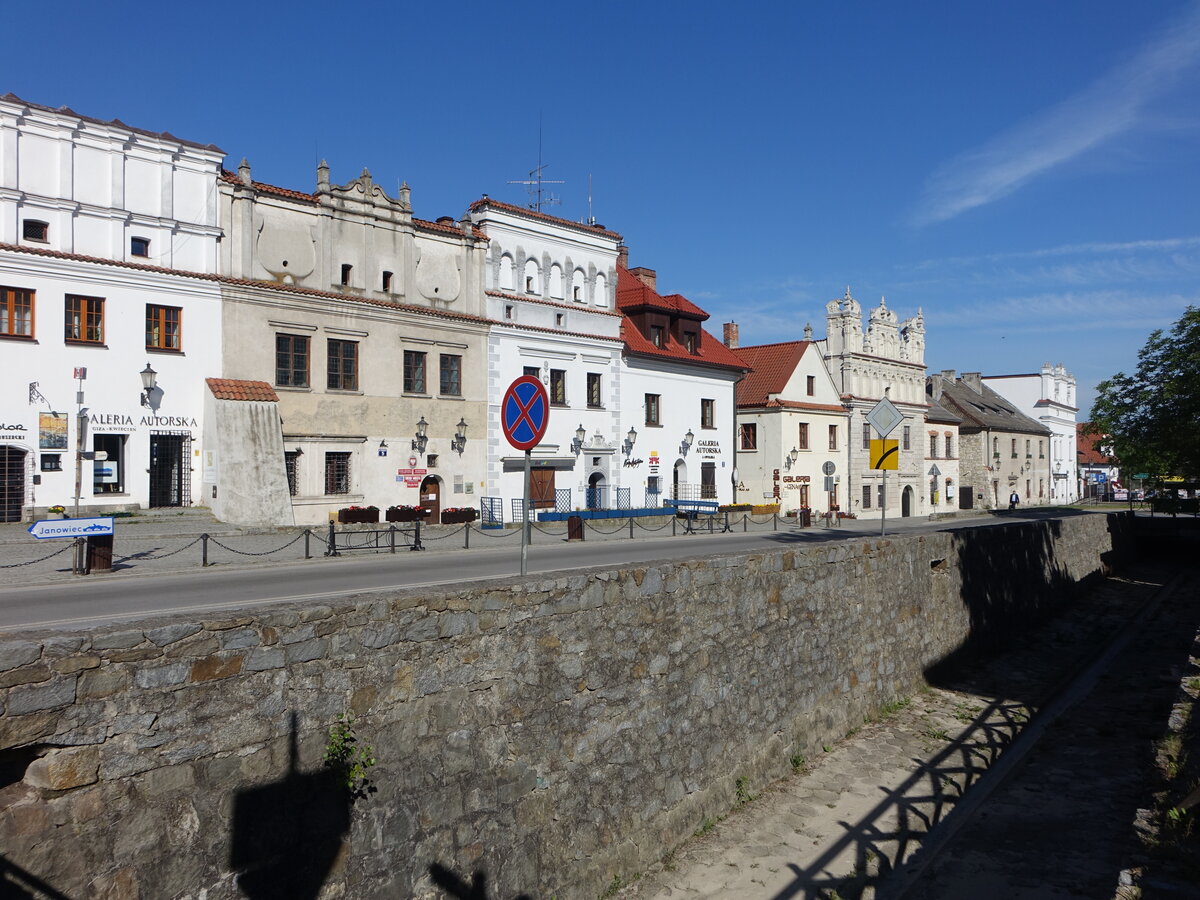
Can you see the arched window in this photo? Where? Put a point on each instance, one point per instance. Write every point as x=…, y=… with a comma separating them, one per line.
x=601, y=290
x=532, y=283
x=506, y=273
x=578, y=288
x=556, y=281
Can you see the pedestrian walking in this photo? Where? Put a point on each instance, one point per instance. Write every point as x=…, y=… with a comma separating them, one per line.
x=1013, y=500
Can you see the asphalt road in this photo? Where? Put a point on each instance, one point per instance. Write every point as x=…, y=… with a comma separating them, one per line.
x=101, y=599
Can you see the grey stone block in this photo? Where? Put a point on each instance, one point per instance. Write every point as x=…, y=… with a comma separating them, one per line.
x=49, y=695
x=18, y=653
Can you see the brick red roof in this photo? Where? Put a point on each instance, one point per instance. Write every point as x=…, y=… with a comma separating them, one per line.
x=1085, y=446
x=488, y=203
x=709, y=351
x=67, y=111
x=233, y=389
x=772, y=365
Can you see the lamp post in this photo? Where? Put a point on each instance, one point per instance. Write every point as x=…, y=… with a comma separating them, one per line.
x=420, y=441
x=459, y=442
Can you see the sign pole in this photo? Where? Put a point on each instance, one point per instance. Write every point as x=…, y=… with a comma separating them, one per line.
x=883, y=506
x=525, y=522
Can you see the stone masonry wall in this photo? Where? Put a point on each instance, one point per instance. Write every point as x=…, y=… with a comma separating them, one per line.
x=552, y=733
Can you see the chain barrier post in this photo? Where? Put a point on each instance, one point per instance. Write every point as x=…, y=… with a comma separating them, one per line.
x=332, y=551
x=467, y=536
x=673, y=525
x=745, y=524
x=391, y=538
x=307, y=537
x=631, y=528
x=204, y=550
x=417, y=537
x=775, y=520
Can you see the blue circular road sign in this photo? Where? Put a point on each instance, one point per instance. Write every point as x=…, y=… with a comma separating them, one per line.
x=525, y=412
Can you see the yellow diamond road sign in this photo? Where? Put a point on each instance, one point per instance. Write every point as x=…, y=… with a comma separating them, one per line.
x=885, y=454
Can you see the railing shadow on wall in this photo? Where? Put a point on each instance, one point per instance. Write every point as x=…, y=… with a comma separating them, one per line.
x=17, y=884
x=288, y=834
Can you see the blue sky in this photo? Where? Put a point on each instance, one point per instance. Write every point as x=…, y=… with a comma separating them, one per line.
x=1025, y=172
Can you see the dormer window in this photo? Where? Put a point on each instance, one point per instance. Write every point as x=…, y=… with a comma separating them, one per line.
x=656, y=335
x=34, y=230
x=689, y=341
x=139, y=246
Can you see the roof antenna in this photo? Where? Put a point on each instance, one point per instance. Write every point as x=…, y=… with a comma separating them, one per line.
x=537, y=196
x=591, y=219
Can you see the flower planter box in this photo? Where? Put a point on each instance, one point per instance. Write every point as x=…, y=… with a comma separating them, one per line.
x=459, y=517
x=406, y=515
x=357, y=516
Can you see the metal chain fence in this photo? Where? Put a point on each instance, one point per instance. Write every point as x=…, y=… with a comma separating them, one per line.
x=30, y=562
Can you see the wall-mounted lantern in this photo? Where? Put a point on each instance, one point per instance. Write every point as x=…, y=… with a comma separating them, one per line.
x=459, y=442
x=420, y=441
x=149, y=383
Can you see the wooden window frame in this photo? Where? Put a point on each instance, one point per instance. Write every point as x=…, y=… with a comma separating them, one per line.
x=748, y=436
x=708, y=413
x=558, y=387
x=289, y=356
x=802, y=436
x=450, y=375
x=653, y=405
x=594, y=393
x=12, y=301
x=416, y=372
x=82, y=316
x=158, y=328
x=341, y=365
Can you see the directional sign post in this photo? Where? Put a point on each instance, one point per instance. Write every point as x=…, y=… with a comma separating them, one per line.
x=524, y=415
x=52, y=529
x=884, y=417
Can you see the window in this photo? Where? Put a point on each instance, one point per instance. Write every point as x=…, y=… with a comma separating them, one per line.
x=707, y=414
x=593, y=390
x=291, y=360
x=811, y=385
x=907, y=437
x=431, y=461
x=802, y=438
x=832, y=437
x=656, y=335
x=995, y=446
x=337, y=473
x=508, y=311
x=1014, y=448
x=576, y=292
x=1028, y=454
x=866, y=496
x=689, y=341
x=85, y=319
x=748, y=436
x=933, y=444
x=866, y=436
x=532, y=372
x=108, y=474
x=387, y=281
x=291, y=464
x=879, y=496
x=559, y=320
x=16, y=312
x=162, y=327
x=949, y=447
x=652, y=409
x=346, y=270
x=51, y=462
x=451, y=375
x=558, y=387
x=139, y=246
x=1041, y=451
x=33, y=230
x=414, y=372
x=708, y=481
x=343, y=365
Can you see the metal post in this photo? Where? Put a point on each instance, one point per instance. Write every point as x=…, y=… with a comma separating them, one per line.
x=883, y=506
x=204, y=550
x=673, y=518
x=332, y=550
x=745, y=523
x=307, y=538
x=391, y=539
x=775, y=520
x=525, y=518
x=631, y=528
x=467, y=536
x=417, y=537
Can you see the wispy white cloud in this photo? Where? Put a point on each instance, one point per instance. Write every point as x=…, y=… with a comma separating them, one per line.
x=1110, y=106
x=1081, y=310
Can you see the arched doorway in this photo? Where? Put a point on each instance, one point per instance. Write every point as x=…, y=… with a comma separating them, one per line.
x=596, y=491
x=679, y=481
x=431, y=499
x=906, y=501
x=12, y=484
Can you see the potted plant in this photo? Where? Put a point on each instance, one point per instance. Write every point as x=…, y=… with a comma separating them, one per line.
x=458, y=515
x=358, y=515
x=57, y=512
x=404, y=513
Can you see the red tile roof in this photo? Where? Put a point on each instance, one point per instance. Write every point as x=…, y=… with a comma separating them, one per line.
x=773, y=365
x=799, y=404
x=488, y=203
x=67, y=111
x=709, y=351
x=1085, y=446
x=233, y=389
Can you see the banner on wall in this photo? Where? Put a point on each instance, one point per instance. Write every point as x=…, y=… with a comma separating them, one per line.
x=52, y=431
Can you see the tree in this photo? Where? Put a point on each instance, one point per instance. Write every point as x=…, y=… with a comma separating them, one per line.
x=1152, y=417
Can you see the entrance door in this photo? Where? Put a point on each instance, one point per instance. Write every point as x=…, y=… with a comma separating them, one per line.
x=906, y=499
x=431, y=499
x=170, y=470
x=708, y=481
x=595, y=491
x=679, y=482
x=12, y=483
x=541, y=489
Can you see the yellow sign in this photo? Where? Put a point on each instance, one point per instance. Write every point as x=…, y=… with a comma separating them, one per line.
x=885, y=454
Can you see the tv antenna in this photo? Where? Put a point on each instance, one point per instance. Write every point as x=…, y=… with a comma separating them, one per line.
x=538, y=196
x=591, y=219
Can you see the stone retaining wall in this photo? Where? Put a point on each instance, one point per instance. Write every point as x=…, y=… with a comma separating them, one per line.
x=553, y=733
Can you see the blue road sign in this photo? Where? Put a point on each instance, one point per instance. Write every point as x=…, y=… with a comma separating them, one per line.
x=525, y=412
x=46, y=529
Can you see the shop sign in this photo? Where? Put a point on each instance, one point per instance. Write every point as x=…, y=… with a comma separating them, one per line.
x=11, y=432
x=708, y=448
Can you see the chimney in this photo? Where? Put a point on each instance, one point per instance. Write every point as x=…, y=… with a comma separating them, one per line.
x=244, y=172
x=935, y=386
x=648, y=277
x=973, y=380
x=731, y=335
x=623, y=256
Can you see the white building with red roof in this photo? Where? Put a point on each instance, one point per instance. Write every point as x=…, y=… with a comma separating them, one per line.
x=677, y=394
x=108, y=272
x=789, y=414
